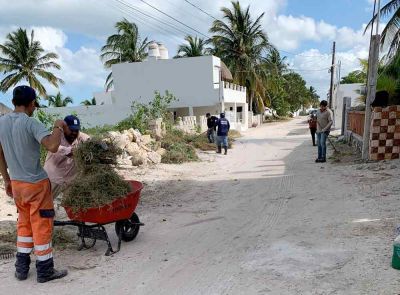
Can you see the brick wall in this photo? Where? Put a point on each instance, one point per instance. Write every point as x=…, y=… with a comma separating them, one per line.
x=385, y=133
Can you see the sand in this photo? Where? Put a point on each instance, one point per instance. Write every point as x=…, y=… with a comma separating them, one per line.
x=263, y=220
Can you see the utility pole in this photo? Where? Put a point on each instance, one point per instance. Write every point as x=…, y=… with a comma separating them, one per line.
x=373, y=61
x=332, y=74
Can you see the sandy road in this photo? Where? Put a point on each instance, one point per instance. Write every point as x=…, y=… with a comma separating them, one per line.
x=263, y=220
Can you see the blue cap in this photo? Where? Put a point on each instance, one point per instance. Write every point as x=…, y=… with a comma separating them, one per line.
x=23, y=95
x=73, y=122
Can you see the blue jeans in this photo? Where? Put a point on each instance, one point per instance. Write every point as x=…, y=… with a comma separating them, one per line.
x=322, y=137
x=222, y=140
x=211, y=135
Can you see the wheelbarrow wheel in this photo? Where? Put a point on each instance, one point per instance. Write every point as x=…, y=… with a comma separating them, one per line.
x=129, y=228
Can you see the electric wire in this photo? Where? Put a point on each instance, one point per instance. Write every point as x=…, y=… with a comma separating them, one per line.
x=136, y=9
x=173, y=18
x=202, y=10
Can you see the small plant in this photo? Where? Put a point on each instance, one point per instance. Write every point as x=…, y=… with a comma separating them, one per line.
x=45, y=118
x=144, y=113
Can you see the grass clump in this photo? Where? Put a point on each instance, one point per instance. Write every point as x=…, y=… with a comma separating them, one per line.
x=97, y=184
x=95, y=189
x=178, y=150
x=94, y=152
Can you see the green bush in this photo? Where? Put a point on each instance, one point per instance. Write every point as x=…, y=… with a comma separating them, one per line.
x=142, y=114
x=178, y=150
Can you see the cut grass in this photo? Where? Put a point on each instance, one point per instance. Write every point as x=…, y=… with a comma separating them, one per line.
x=62, y=239
x=181, y=147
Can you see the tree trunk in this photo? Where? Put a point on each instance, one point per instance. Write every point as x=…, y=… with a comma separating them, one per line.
x=251, y=97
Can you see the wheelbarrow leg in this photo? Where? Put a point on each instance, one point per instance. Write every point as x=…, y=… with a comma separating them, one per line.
x=110, y=250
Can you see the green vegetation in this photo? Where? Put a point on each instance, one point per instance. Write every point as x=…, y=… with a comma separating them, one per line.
x=195, y=47
x=144, y=113
x=59, y=101
x=88, y=102
x=24, y=59
x=391, y=33
x=242, y=44
x=124, y=46
x=97, y=184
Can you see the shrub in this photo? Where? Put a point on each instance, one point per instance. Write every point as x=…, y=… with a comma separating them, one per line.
x=144, y=113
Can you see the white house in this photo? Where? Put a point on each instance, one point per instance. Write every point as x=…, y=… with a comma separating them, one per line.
x=346, y=90
x=200, y=84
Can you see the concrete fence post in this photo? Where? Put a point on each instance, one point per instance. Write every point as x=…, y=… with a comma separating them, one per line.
x=345, y=113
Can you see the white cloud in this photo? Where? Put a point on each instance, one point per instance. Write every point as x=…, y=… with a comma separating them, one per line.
x=53, y=21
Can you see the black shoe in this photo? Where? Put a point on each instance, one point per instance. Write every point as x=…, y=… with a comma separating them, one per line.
x=318, y=161
x=57, y=274
x=219, y=150
x=21, y=276
x=226, y=151
x=323, y=161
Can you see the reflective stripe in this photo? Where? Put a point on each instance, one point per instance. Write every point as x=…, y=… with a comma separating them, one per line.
x=44, y=257
x=24, y=250
x=42, y=247
x=25, y=239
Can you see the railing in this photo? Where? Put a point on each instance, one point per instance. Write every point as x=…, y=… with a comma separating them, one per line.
x=233, y=86
x=356, y=122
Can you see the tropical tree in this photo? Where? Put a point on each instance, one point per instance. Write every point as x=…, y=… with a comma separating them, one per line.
x=195, y=47
x=354, y=77
x=24, y=59
x=314, y=97
x=124, y=46
x=241, y=42
x=390, y=37
x=89, y=102
x=59, y=101
x=275, y=64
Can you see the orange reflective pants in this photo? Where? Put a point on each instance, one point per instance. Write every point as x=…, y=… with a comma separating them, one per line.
x=35, y=217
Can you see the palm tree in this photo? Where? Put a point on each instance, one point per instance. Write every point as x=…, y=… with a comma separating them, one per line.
x=391, y=33
x=124, y=46
x=240, y=42
x=195, y=47
x=275, y=64
x=88, y=102
x=23, y=58
x=58, y=100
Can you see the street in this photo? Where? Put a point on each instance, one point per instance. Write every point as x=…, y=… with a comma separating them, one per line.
x=265, y=219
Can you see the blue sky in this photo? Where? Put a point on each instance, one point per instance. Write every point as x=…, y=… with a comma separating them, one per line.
x=76, y=30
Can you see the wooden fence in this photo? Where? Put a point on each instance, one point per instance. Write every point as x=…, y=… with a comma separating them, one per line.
x=356, y=122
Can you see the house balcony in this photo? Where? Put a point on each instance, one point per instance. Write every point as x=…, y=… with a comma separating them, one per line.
x=233, y=93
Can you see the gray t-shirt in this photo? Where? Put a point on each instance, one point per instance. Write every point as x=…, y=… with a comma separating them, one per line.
x=20, y=137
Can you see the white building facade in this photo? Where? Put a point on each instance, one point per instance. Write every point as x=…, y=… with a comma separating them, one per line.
x=354, y=91
x=199, y=84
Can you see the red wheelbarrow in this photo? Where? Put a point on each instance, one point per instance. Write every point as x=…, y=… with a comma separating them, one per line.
x=91, y=222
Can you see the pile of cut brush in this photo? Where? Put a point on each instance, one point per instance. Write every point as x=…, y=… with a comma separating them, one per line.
x=96, y=184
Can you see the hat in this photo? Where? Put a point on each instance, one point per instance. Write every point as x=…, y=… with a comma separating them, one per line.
x=24, y=95
x=222, y=115
x=73, y=122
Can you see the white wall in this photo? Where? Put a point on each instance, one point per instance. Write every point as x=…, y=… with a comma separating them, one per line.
x=230, y=95
x=104, y=97
x=190, y=80
x=92, y=116
x=345, y=90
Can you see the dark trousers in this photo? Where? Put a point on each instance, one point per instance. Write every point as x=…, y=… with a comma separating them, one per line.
x=313, y=131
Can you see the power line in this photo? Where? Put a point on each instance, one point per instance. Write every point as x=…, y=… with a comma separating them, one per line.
x=203, y=11
x=143, y=21
x=324, y=55
x=133, y=8
x=171, y=17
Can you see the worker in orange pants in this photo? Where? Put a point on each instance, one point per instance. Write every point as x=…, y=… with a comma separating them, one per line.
x=26, y=181
x=35, y=221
